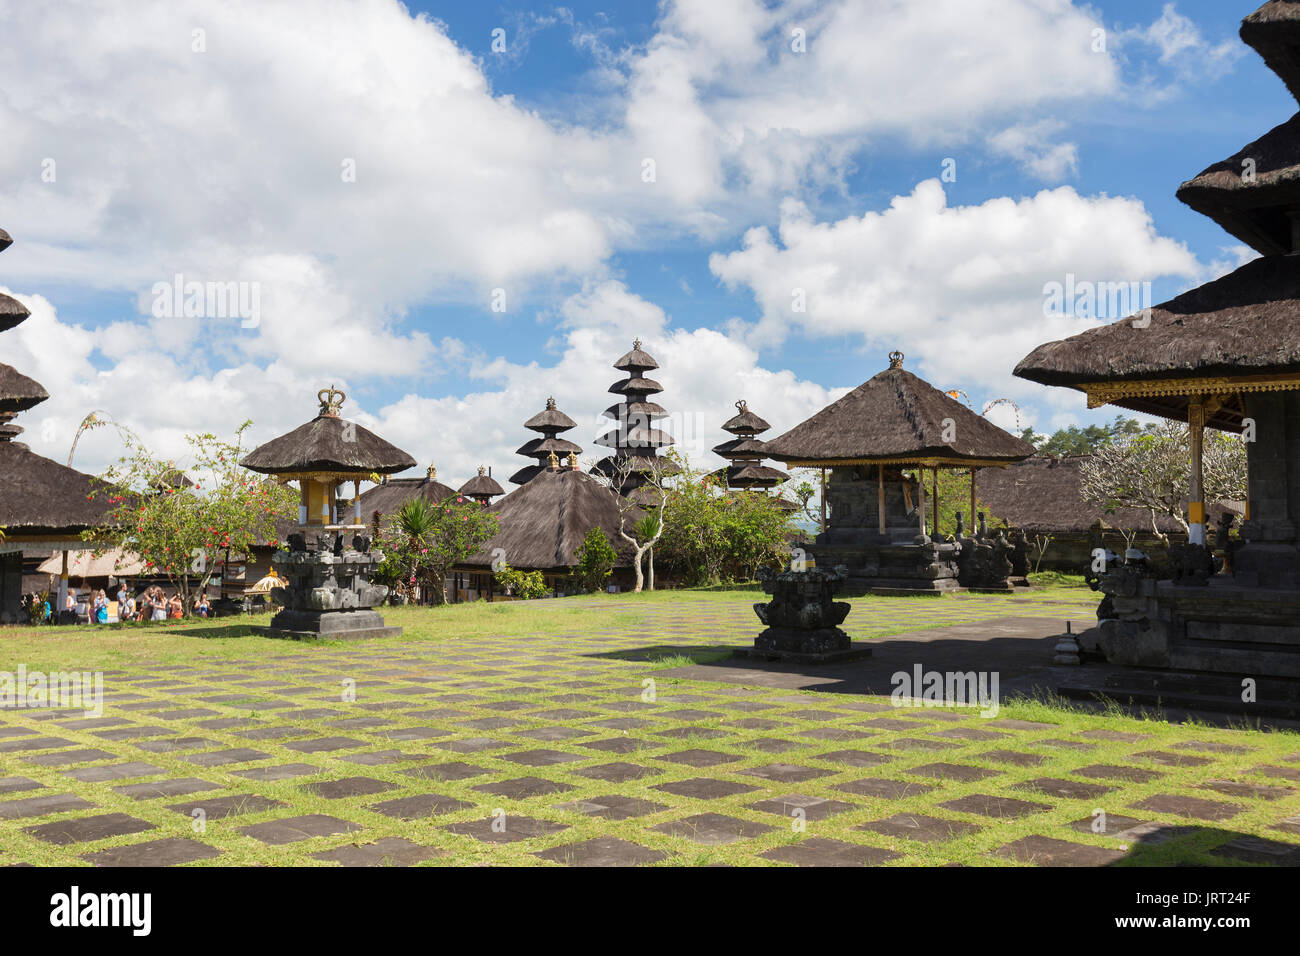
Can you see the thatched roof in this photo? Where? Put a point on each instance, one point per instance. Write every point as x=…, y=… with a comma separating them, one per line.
x=742, y=447
x=114, y=562
x=636, y=360
x=750, y=476
x=40, y=496
x=541, y=448
x=1274, y=32
x=6, y=240
x=1244, y=324
x=550, y=420
x=1041, y=495
x=11, y=312
x=636, y=385
x=543, y=522
x=746, y=422
x=331, y=444
x=18, y=392
x=635, y=438
x=896, y=417
x=389, y=497
x=481, y=485
x=1254, y=208
x=634, y=411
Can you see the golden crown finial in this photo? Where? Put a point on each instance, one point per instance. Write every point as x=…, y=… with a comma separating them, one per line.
x=742, y=406
x=550, y=404
x=482, y=470
x=553, y=461
x=331, y=400
x=431, y=473
x=573, y=460
x=895, y=359
x=636, y=345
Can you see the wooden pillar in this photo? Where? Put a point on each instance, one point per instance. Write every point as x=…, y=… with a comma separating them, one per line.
x=356, y=501
x=823, y=528
x=920, y=496
x=62, y=597
x=880, y=495
x=972, y=501
x=934, y=502
x=1196, y=486
x=302, y=501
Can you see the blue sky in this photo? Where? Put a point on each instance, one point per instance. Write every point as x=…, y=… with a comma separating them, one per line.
x=518, y=171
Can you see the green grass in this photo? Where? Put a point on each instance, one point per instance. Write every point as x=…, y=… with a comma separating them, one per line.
x=604, y=656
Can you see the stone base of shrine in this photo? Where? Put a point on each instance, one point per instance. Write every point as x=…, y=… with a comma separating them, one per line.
x=356, y=624
x=828, y=645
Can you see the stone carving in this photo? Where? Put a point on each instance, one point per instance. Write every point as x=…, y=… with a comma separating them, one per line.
x=328, y=590
x=1191, y=564
x=802, y=618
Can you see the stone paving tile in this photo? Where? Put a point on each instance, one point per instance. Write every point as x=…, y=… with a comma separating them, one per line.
x=471, y=745
x=390, y=851
x=916, y=826
x=1013, y=757
x=820, y=851
x=1112, y=824
x=542, y=757
x=883, y=788
x=168, y=852
x=1253, y=849
x=491, y=723
x=175, y=743
x=1253, y=791
x=175, y=787
x=42, y=805
x=521, y=788
x=276, y=733
x=713, y=829
x=134, y=733
x=970, y=733
x=613, y=807
x=954, y=771
x=1046, y=851
x=187, y=713
x=1115, y=735
x=33, y=743
x=15, y=732
x=453, y=770
x=325, y=744
x=217, y=808
x=857, y=758
x=786, y=773
x=989, y=805
x=1067, y=744
x=509, y=828
x=1066, y=789
x=1280, y=773
x=705, y=788
x=88, y=829
x=294, y=829
x=1102, y=771
x=701, y=733
x=699, y=758
x=835, y=733
x=115, y=771
x=419, y=806
x=918, y=743
x=92, y=723
x=1166, y=759
x=618, y=772
x=286, y=771
x=381, y=758
x=1182, y=806
x=812, y=808
x=414, y=733
x=18, y=784
x=555, y=733
x=1289, y=825
x=1212, y=747
x=348, y=787
x=220, y=758
x=773, y=745
x=602, y=851
x=63, y=758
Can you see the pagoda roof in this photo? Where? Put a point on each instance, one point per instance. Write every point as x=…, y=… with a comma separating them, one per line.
x=739, y=476
x=1238, y=333
x=742, y=447
x=389, y=497
x=636, y=465
x=1254, y=209
x=636, y=360
x=18, y=392
x=897, y=418
x=745, y=423
x=544, y=446
x=635, y=438
x=6, y=240
x=12, y=312
x=636, y=385
x=647, y=410
x=1274, y=32
x=543, y=523
x=328, y=445
x=481, y=485
x=40, y=496
x=550, y=419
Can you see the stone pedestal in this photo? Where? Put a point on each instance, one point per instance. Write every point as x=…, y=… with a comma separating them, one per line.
x=802, y=619
x=329, y=594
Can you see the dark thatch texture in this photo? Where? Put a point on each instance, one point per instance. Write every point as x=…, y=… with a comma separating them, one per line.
x=6, y=240
x=1246, y=323
x=1041, y=496
x=541, y=448
x=1274, y=32
x=1253, y=208
x=643, y=411
x=389, y=497
x=636, y=386
x=12, y=312
x=550, y=420
x=481, y=485
x=746, y=423
x=40, y=496
x=328, y=444
x=896, y=415
x=18, y=392
x=636, y=360
x=543, y=523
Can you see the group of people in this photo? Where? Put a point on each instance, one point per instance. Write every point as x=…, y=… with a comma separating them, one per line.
x=151, y=604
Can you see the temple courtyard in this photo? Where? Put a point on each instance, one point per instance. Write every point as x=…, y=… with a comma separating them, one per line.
x=615, y=730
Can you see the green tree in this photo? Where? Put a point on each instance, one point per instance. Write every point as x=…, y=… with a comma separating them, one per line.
x=426, y=540
x=526, y=585
x=179, y=531
x=596, y=559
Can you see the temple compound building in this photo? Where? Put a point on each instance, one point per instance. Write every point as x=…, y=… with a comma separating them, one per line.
x=877, y=528
x=635, y=440
x=482, y=487
x=44, y=506
x=549, y=423
x=1225, y=355
x=745, y=455
x=387, y=497
x=329, y=563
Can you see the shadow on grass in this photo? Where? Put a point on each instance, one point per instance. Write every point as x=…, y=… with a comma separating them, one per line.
x=1192, y=845
x=670, y=655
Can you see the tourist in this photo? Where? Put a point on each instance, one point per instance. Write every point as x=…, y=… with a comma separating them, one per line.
x=201, y=606
x=99, y=608
x=158, y=604
x=175, y=607
x=121, y=597
x=126, y=610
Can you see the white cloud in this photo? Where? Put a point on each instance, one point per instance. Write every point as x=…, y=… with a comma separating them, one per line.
x=1030, y=145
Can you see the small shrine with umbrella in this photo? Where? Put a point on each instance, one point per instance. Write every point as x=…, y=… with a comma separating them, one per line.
x=330, y=562
x=877, y=442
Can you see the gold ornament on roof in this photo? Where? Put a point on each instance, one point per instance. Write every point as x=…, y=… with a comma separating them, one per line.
x=895, y=359
x=431, y=473
x=331, y=400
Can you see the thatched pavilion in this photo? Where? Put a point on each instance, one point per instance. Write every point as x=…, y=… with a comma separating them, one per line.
x=482, y=487
x=869, y=439
x=636, y=441
x=329, y=593
x=1225, y=355
x=387, y=497
x=44, y=506
x=745, y=453
x=549, y=423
